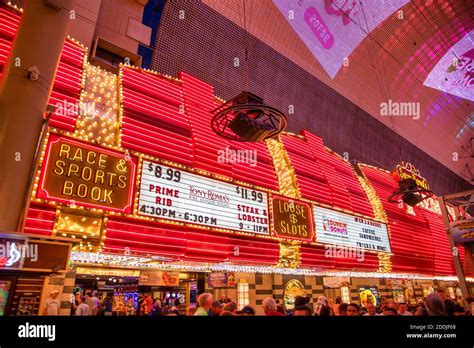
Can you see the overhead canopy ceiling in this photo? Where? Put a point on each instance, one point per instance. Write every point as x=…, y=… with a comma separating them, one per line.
x=417, y=52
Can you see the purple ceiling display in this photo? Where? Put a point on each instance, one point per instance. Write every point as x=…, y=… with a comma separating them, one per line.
x=454, y=72
x=332, y=29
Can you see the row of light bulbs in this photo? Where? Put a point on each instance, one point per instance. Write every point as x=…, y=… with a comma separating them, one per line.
x=228, y=267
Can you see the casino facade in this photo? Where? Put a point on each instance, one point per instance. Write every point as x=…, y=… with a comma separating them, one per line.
x=133, y=191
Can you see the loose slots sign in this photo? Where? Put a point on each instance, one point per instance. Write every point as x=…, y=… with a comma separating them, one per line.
x=170, y=193
x=292, y=219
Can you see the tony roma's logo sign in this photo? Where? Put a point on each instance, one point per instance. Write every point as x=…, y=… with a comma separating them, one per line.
x=77, y=172
x=292, y=219
x=407, y=171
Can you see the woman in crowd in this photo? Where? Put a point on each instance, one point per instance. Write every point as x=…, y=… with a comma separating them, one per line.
x=337, y=305
x=129, y=307
x=82, y=309
x=190, y=311
x=435, y=306
x=322, y=309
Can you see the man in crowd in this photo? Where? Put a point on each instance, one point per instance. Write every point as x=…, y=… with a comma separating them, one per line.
x=82, y=308
x=149, y=302
x=247, y=311
x=343, y=309
x=216, y=308
x=140, y=306
x=89, y=302
x=230, y=307
x=95, y=303
x=322, y=309
x=450, y=306
x=51, y=305
x=393, y=305
x=403, y=309
x=371, y=310
x=353, y=310
x=302, y=311
x=280, y=307
x=270, y=307
x=205, y=303
x=389, y=311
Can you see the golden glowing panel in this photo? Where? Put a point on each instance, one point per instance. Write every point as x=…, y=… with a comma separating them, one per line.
x=293, y=289
x=98, y=110
x=79, y=225
x=377, y=207
x=284, y=171
x=289, y=255
x=385, y=263
x=85, y=229
x=107, y=272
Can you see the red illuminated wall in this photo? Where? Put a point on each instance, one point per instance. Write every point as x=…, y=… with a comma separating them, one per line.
x=152, y=122
x=67, y=86
x=186, y=244
x=323, y=176
x=419, y=243
x=9, y=21
x=170, y=120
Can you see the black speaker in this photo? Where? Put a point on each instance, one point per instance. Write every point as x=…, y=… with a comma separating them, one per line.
x=248, y=128
x=407, y=188
x=411, y=198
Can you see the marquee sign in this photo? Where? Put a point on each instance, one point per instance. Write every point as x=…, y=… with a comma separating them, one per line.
x=171, y=193
x=221, y=280
x=291, y=219
x=74, y=171
x=463, y=231
x=338, y=228
x=408, y=171
x=158, y=278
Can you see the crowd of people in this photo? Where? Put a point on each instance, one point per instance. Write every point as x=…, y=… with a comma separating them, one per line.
x=436, y=304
